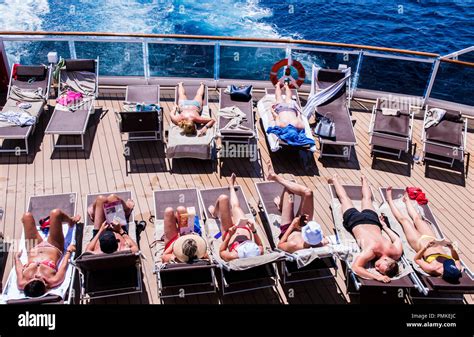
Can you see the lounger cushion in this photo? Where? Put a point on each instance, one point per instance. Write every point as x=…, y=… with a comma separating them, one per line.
x=446, y=132
x=394, y=125
x=31, y=71
x=80, y=65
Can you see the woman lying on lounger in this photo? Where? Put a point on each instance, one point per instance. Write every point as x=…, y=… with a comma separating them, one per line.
x=109, y=238
x=239, y=236
x=43, y=271
x=188, y=112
x=296, y=231
x=286, y=112
x=431, y=255
x=181, y=248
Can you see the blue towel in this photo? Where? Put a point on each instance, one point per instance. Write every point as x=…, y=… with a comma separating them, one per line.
x=291, y=135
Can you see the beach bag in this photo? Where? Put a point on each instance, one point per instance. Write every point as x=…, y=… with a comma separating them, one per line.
x=241, y=94
x=325, y=128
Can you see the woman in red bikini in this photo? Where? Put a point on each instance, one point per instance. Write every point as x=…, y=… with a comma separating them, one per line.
x=47, y=261
x=240, y=239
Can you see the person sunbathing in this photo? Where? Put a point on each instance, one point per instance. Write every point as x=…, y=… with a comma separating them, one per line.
x=239, y=236
x=367, y=228
x=431, y=255
x=109, y=237
x=286, y=111
x=47, y=262
x=187, y=114
x=181, y=248
x=300, y=231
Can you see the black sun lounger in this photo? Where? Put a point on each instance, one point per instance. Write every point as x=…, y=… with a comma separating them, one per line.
x=41, y=206
x=370, y=290
x=390, y=134
x=143, y=125
x=236, y=276
x=180, y=279
x=336, y=110
x=237, y=140
x=81, y=76
x=28, y=78
x=436, y=287
x=318, y=268
x=445, y=142
x=106, y=275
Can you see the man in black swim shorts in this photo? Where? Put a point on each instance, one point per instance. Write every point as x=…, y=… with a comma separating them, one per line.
x=367, y=228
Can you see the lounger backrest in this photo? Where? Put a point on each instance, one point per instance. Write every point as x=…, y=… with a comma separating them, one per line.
x=209, y=197
x=29, y=72
x=148, y=94
x=42, y=205
x=174, y=198
x=31, y=78
x=80, y=65
x=117, y=260
x=330, y=75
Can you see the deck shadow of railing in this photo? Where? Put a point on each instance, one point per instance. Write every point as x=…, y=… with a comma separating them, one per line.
x=324, y=291
x=334, y=162
x=145, y=157
x=91, y=131
x=298, y=163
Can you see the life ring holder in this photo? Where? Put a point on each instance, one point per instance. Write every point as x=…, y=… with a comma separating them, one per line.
x=286, y=62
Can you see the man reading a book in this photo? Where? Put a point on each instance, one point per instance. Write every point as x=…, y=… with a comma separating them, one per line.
x=110, y=215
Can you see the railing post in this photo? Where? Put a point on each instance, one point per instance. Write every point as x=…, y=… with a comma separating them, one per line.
x=434, y=71
x=217, y=61
x=146, y=61
x=72, y=49
x=355, y=81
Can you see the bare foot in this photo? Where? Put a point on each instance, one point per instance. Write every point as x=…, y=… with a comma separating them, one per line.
x=277, y=202
x=233, y=177
x=334, y=179
x=211, y=210
x=271, y=173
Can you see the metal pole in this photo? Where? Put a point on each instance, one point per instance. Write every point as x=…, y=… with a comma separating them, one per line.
x=434, y=71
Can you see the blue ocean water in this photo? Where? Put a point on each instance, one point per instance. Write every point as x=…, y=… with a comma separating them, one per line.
x=434, y=26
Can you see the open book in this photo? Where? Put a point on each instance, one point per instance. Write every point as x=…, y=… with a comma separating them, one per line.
x=114, y=212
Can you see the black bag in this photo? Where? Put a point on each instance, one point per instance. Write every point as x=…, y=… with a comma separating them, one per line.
x=241, y=94
x=325, y=127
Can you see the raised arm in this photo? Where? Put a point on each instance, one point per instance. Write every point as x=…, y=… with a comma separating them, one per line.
x=21, y=282
x=58, y=278
x=283, y=243
x=93, y=244
x=397, y=249
x=223, y=252
x=174, y=116
x=257, y=239
x=358, y=266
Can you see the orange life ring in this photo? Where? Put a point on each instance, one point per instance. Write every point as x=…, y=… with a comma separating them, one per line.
x=295, y=64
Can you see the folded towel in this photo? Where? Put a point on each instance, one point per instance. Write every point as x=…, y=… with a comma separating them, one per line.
x=390, y=112
x=291, y=135
x=433, y=117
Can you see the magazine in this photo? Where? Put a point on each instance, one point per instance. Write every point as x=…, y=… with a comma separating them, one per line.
x=114, y=212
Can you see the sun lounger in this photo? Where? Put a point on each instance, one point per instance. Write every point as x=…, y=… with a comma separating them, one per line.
x=433, y=287
x=390, y=134
x=41, y=206
x=445, y=142
x=264, y=107
x=179, y=279
x=178, y=145
x=305, y=265
x=374, y=290
x=106, y=275
x=336, y=109
x=24, y=88
x=239, y=275
x=238, y=133
x=142, y=125
x=79, y=76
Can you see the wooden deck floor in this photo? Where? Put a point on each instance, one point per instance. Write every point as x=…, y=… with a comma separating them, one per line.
x=102, y=168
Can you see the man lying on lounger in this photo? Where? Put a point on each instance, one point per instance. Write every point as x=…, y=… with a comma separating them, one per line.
x=188, y=112
x=43, y=271
x=109, y=237
x=367, y=228
x=181, y=248
x=239, y=236
x=431, y=254
x=300, y=231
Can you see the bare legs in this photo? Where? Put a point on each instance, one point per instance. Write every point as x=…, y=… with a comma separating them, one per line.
x=366, y=194
x=170, y=227
x=421, y=225
x=307, y=204
x=346, y=202
x=288, y=93
x=227, y=208
x=200, y=94
x=32, y=237
x=98, y=215
x=278, y=96
x=278, y=93
x=181, y=92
